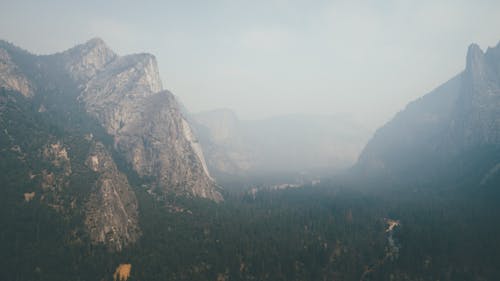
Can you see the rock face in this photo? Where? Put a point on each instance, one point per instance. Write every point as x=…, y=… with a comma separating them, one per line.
x=125, y=95
x=478, y=106
x=54, y=107
x=57, y=154
x=436, y=131
x=111, y=214
x=11, y=77
x=84, y=61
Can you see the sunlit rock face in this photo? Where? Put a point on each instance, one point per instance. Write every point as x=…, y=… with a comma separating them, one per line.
x=111, y=215
x=54, y=107
x=459, y=116
x=57, y=154
x=85, y=60
x=125, y=95
x=11, y=76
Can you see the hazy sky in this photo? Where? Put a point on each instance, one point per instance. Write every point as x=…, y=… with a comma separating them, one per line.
x=263, y=58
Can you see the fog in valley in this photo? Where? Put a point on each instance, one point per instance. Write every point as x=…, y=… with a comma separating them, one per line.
x=294, y=148
x=249, y=140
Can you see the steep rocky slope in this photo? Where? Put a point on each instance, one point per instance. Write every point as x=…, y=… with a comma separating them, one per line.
x=125, y=95
x=111, y=211
x=454, y=130
x=68, y=119
x=11, y=77
x=64, y=171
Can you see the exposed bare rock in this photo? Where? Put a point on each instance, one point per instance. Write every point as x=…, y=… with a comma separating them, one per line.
x=112, y=95
x=57, y=154
x=48, y=180
x=84, y=90
x=195, y=145
x=160, y=144
x=55, y=178
x=11, y=77
x=111, y=215
x=478, y=108
x=126, y=97
x=85, y=60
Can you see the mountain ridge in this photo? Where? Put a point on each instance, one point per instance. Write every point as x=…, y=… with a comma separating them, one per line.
x=460, y=115
x=111, y=109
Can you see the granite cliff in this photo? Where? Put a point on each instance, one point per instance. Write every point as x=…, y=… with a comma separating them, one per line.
x=111, y=214
x=69, y=118
x=125, y=95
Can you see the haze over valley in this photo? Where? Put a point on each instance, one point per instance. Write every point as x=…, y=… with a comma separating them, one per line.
x=276, y=140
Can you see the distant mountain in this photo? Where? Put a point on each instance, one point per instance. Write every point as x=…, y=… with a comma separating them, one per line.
x=77, y=126
x=289, y=143
x=449, y=136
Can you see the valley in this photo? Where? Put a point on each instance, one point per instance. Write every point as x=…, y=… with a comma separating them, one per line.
x=105, y=176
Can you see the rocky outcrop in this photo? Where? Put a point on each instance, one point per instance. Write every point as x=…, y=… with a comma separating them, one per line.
x=164, y=148
x=125, y=95
x=477, y=111
x=111, y=213
x=11, y=77
x=85, y=60
x=55, y=177
x=52, y=107
x=57, y=154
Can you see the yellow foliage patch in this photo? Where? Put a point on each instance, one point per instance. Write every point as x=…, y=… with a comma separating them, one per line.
x=122, y=272
x=29, y=196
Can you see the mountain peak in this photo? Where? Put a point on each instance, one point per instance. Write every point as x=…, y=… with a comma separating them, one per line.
x=458, y=117
x=95, y=41
x=493, y=54
x=85, y=60
x=474, y=57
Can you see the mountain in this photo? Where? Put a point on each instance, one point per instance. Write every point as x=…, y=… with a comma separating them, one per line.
x=448, y=136
x=282, y=144
x=125, y=95
x=77, y=127
x=102, y=178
